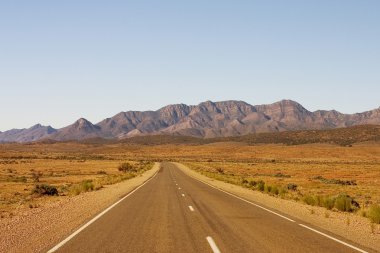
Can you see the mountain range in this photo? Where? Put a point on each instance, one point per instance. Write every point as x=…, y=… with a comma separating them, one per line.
x=206, y=120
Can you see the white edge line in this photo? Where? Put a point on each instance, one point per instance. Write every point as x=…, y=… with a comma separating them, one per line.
x=191, y=208
x=183, y=195
x=97, y=217
x=334, y=239
x=213, y=246
x=249, y=202
x=316, y=231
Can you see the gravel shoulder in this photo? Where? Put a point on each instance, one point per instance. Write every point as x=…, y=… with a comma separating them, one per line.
x=350, y=226
x=38, y=230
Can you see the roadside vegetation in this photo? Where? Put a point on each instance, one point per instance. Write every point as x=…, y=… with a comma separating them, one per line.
x=31, y=182
x=335, y=177
x=329, y=193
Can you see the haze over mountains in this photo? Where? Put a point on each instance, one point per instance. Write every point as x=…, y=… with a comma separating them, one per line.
x=206, y=120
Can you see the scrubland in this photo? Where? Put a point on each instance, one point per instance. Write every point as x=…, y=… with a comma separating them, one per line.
x=339, y=178
x=31, y=177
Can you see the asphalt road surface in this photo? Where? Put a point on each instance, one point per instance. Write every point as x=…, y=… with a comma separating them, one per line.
x=176, y=213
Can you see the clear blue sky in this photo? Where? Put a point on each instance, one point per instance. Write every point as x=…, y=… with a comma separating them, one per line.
x=62, y=60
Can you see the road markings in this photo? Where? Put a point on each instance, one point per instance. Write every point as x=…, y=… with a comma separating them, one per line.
x=284, y=217
x=249, y=202
x=191, y=208
x=213, y=246
x=334, y=239
x=183, y=195
x=179, y=188
x=97, y=217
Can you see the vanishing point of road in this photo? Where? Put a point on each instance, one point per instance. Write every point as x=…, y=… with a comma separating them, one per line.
x=173, y=212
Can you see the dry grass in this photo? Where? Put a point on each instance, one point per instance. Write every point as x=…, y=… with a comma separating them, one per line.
x=70, y=174
x=323, y=174
x=316, y=169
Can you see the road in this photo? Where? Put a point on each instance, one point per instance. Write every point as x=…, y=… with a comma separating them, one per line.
x=176, y=213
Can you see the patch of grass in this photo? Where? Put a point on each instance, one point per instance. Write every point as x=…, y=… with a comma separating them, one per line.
x=283, y=191
x=328, y=202
x=220, y=170
x=22, y=179
x=374, y=214
x=309, y=200
x=274, y=190
x=84, y=186
x=342, y=202
x=260, y=185
x=281, y=175
x=36, y=175
x=267, y=188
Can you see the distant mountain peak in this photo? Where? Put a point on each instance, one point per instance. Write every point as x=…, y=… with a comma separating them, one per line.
x=82, y=123
x=36, y=126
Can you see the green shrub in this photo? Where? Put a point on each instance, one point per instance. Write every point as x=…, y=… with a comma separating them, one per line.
x=84, y=186
x=309, y=200
x=252, y=183
x=45, y=189
x=274, y=190
x=318, y=200
x=329, y=203
x=87, y=185
x=343, y=203
x=220, y=170
x=244, y=181
x=267, y=188
x=126, y=167
x=374, y=214
x=292, y=187
x=260, y=185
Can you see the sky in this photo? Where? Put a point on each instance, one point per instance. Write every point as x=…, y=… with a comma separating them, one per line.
x=63, y=60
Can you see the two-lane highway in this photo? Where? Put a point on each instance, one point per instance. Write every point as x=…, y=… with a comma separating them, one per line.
x=176, y=213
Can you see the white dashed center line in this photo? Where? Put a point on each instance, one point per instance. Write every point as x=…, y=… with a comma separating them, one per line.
x=213, y=246
x=191, y=208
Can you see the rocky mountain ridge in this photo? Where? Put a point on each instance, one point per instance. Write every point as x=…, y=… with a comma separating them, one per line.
x=206, y=120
